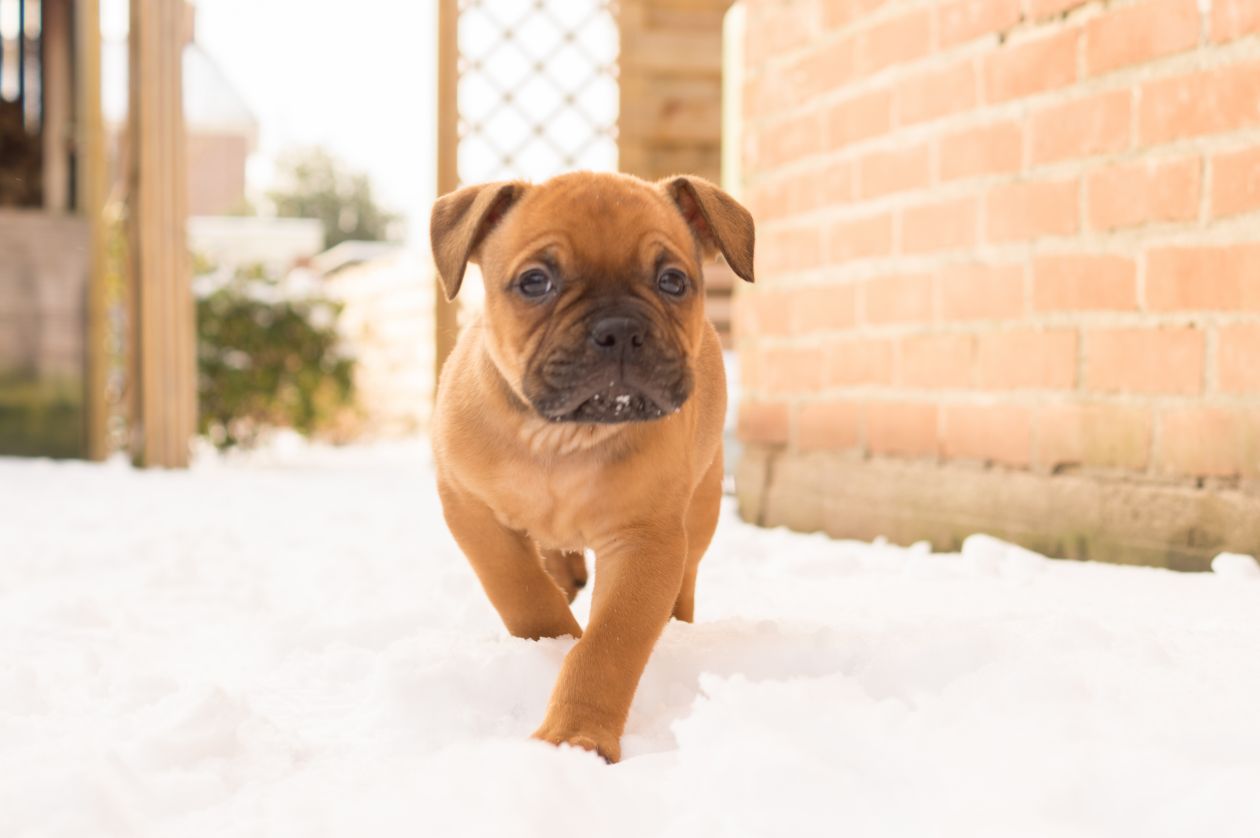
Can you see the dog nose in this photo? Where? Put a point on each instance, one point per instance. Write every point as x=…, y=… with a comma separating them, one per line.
x=618, y=334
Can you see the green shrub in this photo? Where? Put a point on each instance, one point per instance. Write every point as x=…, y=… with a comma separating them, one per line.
x=265, y=361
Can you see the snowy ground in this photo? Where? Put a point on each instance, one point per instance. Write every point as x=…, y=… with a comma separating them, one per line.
x=291, y=645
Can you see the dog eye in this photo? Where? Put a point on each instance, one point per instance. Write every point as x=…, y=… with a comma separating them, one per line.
x=672, y=282
x=534, y=284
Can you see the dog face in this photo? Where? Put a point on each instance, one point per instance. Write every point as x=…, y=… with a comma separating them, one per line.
x=594, y=290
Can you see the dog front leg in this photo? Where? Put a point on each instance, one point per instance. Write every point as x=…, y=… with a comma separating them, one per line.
x=636, y=583
x=510, y=569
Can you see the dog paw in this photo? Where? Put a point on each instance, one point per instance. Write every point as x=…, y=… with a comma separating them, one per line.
x=602, y=743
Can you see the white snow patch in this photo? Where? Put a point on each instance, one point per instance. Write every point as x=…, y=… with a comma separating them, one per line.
x=1236, y=566
x=289, y=643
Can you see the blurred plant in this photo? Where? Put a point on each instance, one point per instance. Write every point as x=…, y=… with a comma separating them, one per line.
x=265, y=361
x=317, y=185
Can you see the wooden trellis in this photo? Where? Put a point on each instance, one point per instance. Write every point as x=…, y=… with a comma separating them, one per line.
x=532, y=88
x=526, y=90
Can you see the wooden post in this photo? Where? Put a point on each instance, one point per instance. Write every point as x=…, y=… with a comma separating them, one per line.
x=57, y=41
x=163, y=375
x=446, y=314
x=90, y=177
x=631, y=152
x=670, y=73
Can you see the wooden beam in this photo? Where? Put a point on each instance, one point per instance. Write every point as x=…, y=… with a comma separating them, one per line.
x=91, y=178
x=163, y=375
x=446, y=314
x=58, y=91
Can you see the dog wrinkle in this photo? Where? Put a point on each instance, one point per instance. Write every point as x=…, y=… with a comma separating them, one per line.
x=547, y=438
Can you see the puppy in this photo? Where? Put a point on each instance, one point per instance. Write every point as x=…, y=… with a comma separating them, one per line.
x=584, y=410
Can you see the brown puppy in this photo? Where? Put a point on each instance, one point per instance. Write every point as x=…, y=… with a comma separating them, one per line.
x=584, y=410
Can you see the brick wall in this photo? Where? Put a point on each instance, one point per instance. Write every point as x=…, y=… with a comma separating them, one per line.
x=1005, y=241
x=216, y=172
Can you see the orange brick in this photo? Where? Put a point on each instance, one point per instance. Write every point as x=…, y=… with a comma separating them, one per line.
x=1204, y=102
x=859, y=238
x=751, y=100
x=1204, y=278
x=825, y=308
x=1138, y=33
x=1030, y=209
x=1236, y=181
x=905, y=428
x=749, y=368
x=898, y=299
x=837, y=183
x=791, y=369
x=789, y=140
x=894, y=41
x=999, y=433
x=763, y=422
x=777, y=33
x=1084, y=282
x=790, y=195
x=933, y=361
x=767, y=312
x=1041, y=9
x=945, y=225
x=829, y=66
x=826, y=67
x=789, y=249
x=1206, y=441
x=829, y=426
x=1100, y=435
x=1026, y=359
x=963, y=20
x=981, y=292
x=798, y=74
x=838, y=13
x=866, y=115
x=896, y=170
x=741, y=314
x=1131, y=194
x=1155, y=360
x=1234, y=18
x=989, y=149
x=1016, y=70
x=937, y=92
x=847, y=363
x=1238, y=361
x=1093, y=125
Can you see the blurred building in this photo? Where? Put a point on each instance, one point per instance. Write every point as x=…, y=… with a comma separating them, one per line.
x=76, y=305
x=221, y=131
x=230, y=242
x=47, y=202
x=1009, y=273
x=386, y=293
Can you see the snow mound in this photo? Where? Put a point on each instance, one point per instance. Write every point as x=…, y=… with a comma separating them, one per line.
x=289, y=644
x=1236, y=566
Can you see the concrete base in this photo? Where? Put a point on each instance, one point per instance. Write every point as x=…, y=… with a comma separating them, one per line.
x=1113, y=518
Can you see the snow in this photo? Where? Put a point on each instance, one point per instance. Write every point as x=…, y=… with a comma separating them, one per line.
x=289, y=644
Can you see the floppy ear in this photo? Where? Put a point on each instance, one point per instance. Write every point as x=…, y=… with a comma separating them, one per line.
x=716, y=219
x=460, y=222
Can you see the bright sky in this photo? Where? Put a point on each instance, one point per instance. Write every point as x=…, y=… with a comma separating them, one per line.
x=357, y=78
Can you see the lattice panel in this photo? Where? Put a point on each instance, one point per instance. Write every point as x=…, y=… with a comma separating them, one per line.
x=538, y=92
